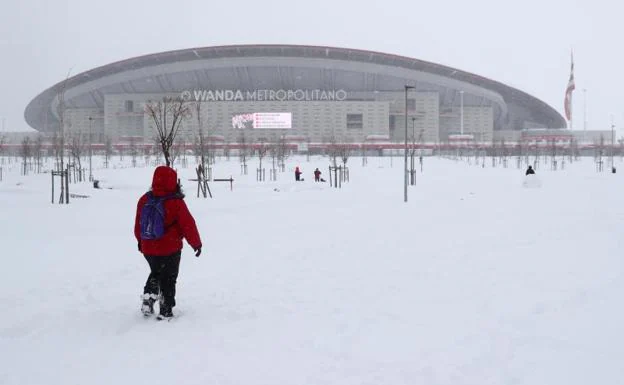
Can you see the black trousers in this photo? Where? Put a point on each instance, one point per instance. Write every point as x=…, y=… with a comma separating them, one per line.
x=163, y=277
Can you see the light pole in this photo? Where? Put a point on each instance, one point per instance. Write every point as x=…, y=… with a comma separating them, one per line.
x=90, y=150
x=412, y=151
x=612, y=144
x=405, y=149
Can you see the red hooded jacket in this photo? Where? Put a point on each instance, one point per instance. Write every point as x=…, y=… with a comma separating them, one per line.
x=179, y=222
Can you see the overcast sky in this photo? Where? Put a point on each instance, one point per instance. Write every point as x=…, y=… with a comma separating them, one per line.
x=523, y=43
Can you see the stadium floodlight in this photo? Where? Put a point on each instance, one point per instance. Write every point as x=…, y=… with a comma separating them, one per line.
x=405, y=149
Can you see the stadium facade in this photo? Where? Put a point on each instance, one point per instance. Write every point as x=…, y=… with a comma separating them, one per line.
x=305, y=93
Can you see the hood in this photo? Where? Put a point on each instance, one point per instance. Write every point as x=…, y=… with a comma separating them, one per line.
x=165, y=181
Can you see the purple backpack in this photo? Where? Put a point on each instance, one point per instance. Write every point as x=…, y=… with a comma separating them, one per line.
x=152, y=219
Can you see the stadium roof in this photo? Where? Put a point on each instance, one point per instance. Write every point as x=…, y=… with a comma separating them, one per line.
x=249, y=67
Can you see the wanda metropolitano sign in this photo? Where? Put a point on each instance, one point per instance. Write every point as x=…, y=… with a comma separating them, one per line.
x=264, y=95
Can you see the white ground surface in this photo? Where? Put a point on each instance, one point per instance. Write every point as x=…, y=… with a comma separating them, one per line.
x=476, y=280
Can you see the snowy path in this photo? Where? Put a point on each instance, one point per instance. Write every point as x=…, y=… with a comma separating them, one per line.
x=475, y=281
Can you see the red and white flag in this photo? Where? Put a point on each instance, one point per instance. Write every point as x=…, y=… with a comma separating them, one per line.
x=567, y=104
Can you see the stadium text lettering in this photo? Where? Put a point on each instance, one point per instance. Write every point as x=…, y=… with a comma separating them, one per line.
x=264, y=95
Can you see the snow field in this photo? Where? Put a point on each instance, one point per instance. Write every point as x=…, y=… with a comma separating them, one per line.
x=476, y=280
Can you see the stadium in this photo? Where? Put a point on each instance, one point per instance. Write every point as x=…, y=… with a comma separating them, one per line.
x=308, y=94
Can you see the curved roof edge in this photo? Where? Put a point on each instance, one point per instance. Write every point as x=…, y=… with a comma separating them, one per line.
x=36, y=110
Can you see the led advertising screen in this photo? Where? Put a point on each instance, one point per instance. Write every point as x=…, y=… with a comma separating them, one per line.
x=263, y=120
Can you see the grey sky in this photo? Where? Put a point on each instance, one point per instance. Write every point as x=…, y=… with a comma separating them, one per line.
x=525, y=44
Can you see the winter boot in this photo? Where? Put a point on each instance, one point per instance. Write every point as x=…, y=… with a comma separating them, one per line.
x=165, y=312
x=147, y=306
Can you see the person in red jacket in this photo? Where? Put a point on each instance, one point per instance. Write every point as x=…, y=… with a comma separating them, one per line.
x=163, y=254
x=317, y=175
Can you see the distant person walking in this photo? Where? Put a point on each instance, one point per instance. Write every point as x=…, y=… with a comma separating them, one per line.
x=297, y=174
x=317, y=175
x=162, y=221
x=530, y=171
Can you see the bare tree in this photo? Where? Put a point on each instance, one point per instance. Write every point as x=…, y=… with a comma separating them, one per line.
x=56, y=148
x=121, y=150
x=202, y=149
x=108, y=150
x=178, y=150
x=25, y=153
x=282, y=152
x=77, y=150
x=226, y=149
x=344, y=152
x=494, y=151
x=133, y=149
x=59, y=143
x=263, y=148
x=553, y=153
x=503, y=152
x=197, y=149
x=243, y=151
x=37, y=152
x=60, y=134
x=333, y=150
x=156, y=150
x=205, y=149
x=182, y=148
x=338, y=151
x=517, y=151
x=167, y=115
x=147, y=154
x=201, y=140
x=274, y=149
x=600, y=150
x=536, y=154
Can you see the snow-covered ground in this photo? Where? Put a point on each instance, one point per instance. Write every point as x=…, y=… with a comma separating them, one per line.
x=476, y=280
